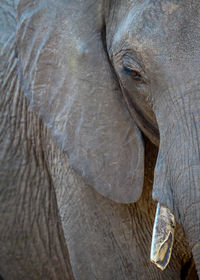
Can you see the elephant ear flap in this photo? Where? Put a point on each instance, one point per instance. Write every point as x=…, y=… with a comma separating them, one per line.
x=65, y=73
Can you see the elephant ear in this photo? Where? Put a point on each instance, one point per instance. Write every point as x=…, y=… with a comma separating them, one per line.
x=65, y=73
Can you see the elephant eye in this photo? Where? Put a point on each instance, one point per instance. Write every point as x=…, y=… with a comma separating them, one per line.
x=133, y=73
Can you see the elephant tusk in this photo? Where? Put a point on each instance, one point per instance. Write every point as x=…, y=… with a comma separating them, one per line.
x=163, y=237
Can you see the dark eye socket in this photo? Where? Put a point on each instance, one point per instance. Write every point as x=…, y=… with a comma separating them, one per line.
x=133, y=73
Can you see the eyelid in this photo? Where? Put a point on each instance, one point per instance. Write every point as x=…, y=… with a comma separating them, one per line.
x=131, y=64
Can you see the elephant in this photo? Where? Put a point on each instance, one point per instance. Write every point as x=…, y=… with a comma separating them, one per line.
x=99, y=121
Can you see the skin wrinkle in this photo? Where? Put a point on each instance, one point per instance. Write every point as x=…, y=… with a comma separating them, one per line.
x=108, y=227
x=19, y=231
x=91, y=211
x=171, y=146
x=177, y=101
x=193, y=144
x=197, y=137
x=175, y=184
x=191, y=230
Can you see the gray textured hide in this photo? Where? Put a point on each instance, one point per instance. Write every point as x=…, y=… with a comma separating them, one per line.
x=65, y=73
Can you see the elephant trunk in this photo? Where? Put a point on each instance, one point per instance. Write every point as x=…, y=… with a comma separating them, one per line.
x=187, y=192
x=177, y=172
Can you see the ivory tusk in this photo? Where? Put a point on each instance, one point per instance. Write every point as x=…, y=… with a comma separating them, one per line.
x=163, y=237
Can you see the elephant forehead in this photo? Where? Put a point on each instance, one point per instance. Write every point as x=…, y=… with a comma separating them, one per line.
x=165, y=27
x=164, y=37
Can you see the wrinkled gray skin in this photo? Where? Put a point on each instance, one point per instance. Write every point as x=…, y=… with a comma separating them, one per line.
x=77, y=80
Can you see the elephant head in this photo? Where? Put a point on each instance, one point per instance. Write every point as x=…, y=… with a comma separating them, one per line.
x=100, y=72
